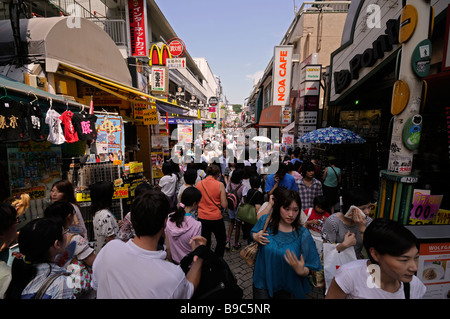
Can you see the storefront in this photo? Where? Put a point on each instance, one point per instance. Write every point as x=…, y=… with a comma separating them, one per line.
x=363, y=73
x=60, y=59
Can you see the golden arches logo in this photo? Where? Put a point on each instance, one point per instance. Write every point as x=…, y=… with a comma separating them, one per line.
x=158, y=56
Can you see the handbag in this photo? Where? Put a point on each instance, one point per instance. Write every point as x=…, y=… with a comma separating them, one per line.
x=249, y=252
x=333, y=259
x=247, y=212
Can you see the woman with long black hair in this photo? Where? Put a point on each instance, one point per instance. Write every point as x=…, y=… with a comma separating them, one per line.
x=287, y=251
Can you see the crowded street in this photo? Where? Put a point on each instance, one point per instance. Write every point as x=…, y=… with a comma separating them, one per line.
x=230, y=156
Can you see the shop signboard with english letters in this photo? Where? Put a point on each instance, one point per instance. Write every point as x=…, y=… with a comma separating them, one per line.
x=282, y=69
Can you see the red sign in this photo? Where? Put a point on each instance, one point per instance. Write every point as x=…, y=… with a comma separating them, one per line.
x=138, y=14
x=309, y=103
x=176, y=47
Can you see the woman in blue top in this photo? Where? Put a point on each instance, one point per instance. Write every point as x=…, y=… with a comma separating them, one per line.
x=287, y=253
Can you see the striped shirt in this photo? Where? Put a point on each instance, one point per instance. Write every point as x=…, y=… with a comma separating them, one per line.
x=307, y=194
x=61, y=288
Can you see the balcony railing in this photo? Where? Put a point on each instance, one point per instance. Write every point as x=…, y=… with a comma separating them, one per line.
x=116, y=28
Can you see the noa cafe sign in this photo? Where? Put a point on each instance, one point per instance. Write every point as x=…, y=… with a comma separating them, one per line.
x=282, y=69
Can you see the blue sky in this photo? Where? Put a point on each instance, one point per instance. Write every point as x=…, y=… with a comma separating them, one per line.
x=237, y=37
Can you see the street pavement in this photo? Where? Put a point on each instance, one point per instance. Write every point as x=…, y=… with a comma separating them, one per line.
x=243, y=272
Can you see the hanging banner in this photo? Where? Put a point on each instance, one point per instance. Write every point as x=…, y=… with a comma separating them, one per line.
x=288, y=140
x=137, y=13
x=160, y=80
x=184, y=133
x=282, y=69
x=110, y=137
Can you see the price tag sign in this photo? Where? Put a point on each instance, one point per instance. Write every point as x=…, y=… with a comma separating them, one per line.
x=424, y=208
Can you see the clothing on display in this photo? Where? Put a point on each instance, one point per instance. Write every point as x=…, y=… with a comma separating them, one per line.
x=85, y=126
x=55, y=135
x=70, y=134
x=13, y=122
x=36, y=123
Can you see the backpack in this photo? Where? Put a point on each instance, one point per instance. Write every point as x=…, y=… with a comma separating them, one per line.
x=217, y=280
x=233, y=198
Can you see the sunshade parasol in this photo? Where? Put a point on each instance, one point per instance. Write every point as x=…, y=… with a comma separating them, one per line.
x=332, y=135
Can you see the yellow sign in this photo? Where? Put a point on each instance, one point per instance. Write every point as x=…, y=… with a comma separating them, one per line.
x=150, y=116
x=442, y=217
x=34, y=192
x=408, y=23
x=119, y=192
x=139, y=109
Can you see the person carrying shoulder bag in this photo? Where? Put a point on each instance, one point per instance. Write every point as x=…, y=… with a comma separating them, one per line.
x=213, y=200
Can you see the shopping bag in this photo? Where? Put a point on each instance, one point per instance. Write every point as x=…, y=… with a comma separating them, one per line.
x=332, y=260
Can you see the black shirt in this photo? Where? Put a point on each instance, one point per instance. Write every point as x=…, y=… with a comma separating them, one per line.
x=13, y=122
x=258, y=198
x=36, y=123
x=85, y=126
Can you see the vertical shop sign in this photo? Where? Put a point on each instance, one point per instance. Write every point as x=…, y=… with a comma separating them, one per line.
x=286, y=115
x=160, y=81
x=282, y=67
x=137, y=14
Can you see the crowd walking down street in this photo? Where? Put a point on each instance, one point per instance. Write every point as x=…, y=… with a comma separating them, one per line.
x=185, y=239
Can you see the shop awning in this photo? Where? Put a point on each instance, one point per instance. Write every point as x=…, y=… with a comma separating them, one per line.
x=289, y=128
x=19, y=91
x=120, y=90
x=271, y=116
x=61, y=40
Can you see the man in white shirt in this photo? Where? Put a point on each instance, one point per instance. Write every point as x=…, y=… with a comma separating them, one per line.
x=136, y=269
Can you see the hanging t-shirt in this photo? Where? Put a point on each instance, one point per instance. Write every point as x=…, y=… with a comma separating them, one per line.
x=70, y=134
x=36, y=123
x=13, y=122
x=55, y=135
x=85, y=126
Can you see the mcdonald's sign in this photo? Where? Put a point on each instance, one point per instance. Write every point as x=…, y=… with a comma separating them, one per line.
x=158, y=56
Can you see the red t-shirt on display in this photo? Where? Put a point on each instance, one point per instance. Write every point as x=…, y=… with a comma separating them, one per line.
x=70, y=134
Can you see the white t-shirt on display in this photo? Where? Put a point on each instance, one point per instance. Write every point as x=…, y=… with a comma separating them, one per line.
x=352, y=278
x=123, y=270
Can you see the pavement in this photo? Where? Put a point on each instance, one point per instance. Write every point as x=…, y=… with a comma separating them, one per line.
x=244, y=272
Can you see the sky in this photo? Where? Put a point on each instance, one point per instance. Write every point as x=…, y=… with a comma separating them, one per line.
x=237, y=37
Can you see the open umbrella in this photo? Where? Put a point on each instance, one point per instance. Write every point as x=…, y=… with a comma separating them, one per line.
x=262, y=139
x=332, y=135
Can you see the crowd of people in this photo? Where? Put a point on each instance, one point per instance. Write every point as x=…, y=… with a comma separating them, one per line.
x=140, y=256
